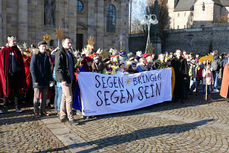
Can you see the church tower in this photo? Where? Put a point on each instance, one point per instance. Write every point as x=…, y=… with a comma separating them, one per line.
x=171, y=6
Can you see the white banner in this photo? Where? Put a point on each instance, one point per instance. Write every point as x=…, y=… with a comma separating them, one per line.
x=106, y=94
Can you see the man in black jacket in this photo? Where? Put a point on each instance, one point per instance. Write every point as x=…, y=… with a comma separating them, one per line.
x=40, y=69
x=64, y=70
x=181, y=72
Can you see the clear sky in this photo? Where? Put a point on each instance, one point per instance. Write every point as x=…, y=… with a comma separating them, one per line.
x=138, y=9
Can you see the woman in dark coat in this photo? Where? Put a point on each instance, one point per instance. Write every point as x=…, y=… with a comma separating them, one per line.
x=181, y=72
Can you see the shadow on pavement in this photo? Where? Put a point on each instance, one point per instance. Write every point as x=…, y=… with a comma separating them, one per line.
x=193, y=100
x=15, y=118
x=136, y=135
x=12, y=117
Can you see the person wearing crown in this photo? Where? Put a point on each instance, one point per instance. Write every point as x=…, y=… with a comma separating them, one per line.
x=12, y=73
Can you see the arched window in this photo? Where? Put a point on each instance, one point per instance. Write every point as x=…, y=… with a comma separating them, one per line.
x=80, y=6
x=111, y=18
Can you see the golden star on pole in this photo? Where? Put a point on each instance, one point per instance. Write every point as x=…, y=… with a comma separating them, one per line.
x=59, y=33
x=24, y=45
x=206, y=58
x=47, y=38
x=91, y=41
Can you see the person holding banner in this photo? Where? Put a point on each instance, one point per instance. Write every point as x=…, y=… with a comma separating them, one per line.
x=141, y=66
x=132, y=68
x=86, y=67
x=160, y=63
x=64, y=69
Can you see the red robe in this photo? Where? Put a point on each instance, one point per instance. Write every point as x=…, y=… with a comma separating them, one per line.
x=225, y=82
x=27, y=71
x=4, y=69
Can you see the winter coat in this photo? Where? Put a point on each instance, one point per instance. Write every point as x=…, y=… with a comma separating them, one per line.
x=207, y=77
x=62, y=66
x=40, y=69
x=193, y=69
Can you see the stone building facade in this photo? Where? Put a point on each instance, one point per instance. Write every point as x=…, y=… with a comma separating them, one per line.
x=198, y=40
x=29, y=21
x=197, y=13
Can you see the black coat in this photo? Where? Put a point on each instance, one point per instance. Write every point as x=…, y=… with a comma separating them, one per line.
x=40, y=69
x=181, y=71
x=62, y=66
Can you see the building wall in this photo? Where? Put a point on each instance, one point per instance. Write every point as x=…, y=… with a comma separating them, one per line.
x=201, y=15
x=25, y=20
x=170, y=6
x=225, y=12
x=137, y=42
x=183, y=19
x=198, y=40
x=217, y=13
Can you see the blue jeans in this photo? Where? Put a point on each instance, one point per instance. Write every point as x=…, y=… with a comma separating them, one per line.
x=216, y=76
x=193, y=85
x=209, y=89
x=58, y=97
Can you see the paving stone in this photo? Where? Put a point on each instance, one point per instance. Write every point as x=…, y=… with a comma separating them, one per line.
x=169, y=127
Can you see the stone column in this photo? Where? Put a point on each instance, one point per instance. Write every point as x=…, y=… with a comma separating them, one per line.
x=72, y=21
x=1, y=24
x=100, y=25
x=124, y=23
x=23, y=20
x=92, y=19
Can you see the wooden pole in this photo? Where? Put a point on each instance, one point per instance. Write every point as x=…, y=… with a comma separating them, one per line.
x=206, y=88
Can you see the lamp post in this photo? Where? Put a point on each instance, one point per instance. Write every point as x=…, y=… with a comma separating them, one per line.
x=149, y=19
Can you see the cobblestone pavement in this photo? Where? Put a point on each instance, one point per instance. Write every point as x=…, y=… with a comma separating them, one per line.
x=195, y=126
x=21, y=132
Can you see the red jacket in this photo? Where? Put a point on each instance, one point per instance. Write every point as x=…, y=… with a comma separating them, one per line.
x=27, y=60
x=4, y=69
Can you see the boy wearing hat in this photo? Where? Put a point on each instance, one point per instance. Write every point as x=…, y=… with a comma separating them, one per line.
x=40, y=68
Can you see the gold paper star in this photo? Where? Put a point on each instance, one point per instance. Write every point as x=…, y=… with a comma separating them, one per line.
x=59, y=33
x=91, y=41
x=128, y=81
x=24, y=45
x=47, y=38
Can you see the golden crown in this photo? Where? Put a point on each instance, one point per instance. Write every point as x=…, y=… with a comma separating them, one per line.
x=11, y=38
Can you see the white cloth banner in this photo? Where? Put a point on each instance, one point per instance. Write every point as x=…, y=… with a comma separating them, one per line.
x=106, y=94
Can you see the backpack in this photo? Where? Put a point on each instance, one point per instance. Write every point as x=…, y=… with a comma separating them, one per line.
x=215, y=65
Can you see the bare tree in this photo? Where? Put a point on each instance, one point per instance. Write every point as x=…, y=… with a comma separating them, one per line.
x=137, y=13
x=136, y=27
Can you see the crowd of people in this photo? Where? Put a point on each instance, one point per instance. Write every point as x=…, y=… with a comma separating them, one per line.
x=42, y=74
